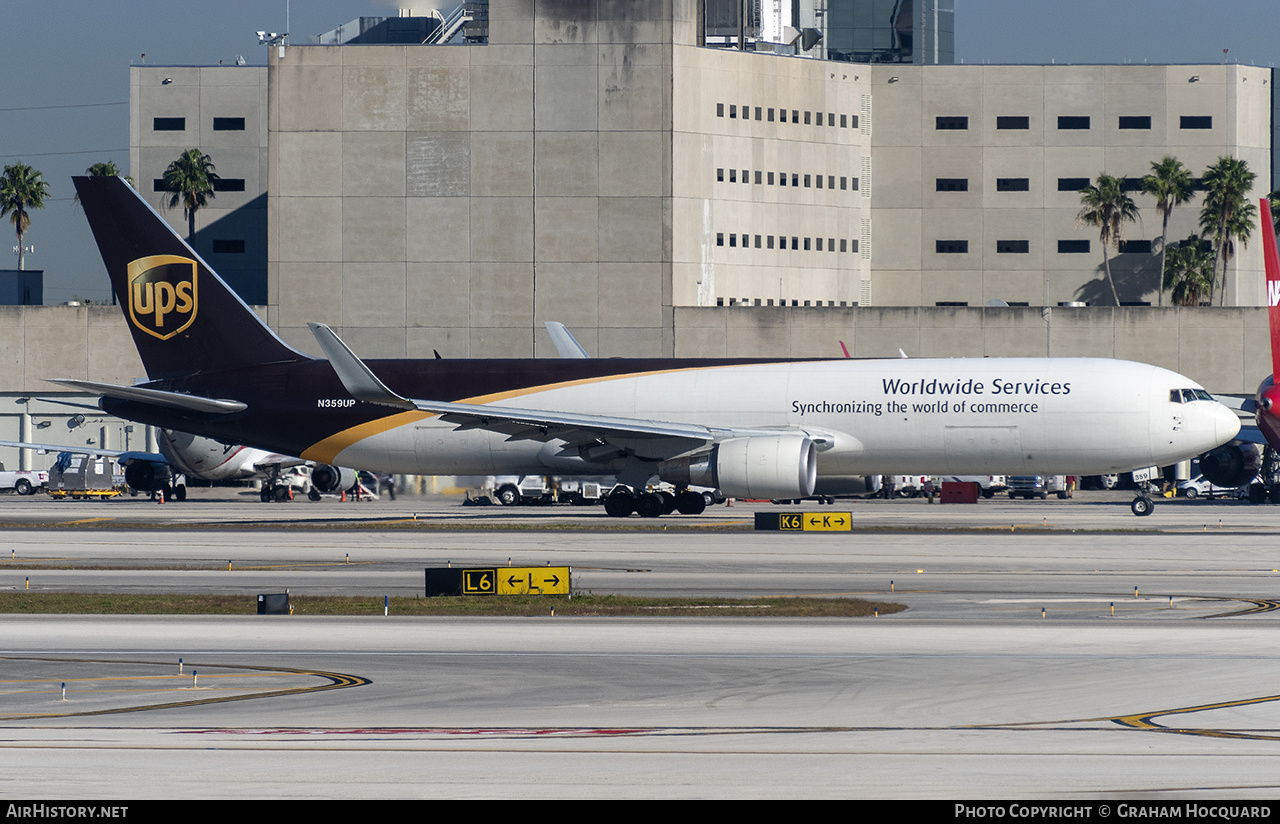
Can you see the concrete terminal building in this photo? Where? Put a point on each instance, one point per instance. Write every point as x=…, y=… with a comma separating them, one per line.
x=666, y=185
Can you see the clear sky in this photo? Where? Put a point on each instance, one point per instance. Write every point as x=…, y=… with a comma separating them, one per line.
x=63, y=61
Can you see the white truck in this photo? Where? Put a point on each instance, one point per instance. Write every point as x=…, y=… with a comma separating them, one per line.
x=23, y=481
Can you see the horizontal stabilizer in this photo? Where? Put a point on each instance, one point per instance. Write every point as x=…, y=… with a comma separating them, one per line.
x=157, y=397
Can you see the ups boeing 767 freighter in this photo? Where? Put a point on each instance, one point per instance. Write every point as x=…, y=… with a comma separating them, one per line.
x=748, y=427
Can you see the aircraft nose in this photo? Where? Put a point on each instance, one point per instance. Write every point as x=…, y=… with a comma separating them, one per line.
x=1226, y=425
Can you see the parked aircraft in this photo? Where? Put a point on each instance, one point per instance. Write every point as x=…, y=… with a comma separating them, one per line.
x=749, y=427
x=183, y=455
x=1238, y=462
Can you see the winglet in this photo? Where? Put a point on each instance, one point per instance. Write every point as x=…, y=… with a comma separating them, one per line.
x=358, y=379
x=1272, y=262
x=566, y=344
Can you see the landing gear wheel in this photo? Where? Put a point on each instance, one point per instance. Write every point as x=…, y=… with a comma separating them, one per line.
x=668, y=502
x=1274, y=494
x=23, y=487
x=1142, y=505
x=691, y=503
x=282, y=493
x=180, y=493
x=650, y=505
x=508, y=495
x=265, y=495
x=619, y=505
x=313, y=494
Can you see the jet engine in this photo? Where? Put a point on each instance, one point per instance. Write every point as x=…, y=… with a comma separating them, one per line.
x=332, y=479
x=783, y=466
x=1233, y=464
x=147, y=476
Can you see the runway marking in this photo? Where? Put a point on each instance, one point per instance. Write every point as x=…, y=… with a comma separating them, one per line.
x=336, y=681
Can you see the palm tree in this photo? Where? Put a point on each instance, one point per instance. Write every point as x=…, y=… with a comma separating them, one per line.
x=1273, y=197
x=1227, y=216
x=21, y=188
x=1105, y=206
x=1189, y=271
x=105, y=169
x=191, y=179
x=1171, y=185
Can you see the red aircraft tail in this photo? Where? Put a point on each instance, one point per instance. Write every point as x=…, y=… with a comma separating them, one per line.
x=1272, y=261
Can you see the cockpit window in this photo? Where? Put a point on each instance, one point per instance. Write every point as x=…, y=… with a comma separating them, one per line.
x=1188, y=395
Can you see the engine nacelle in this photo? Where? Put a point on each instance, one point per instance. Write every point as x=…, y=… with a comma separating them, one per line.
x=147, y=476
x=332, y=479
x=783, y=466
x=1233, y=464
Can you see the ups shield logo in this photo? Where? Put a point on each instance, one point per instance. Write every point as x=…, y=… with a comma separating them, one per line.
x=162, y=294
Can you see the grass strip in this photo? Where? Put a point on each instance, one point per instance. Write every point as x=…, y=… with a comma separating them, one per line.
x=58, y=603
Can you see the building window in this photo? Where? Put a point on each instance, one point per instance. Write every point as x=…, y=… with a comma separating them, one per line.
x=807, y=118
x=807, y=181
x=1066, y=122
x=758, y=110
x=1013, y=123
x=1135, y=247
x=228, y=124
x=720, y=175
x=782, y=178
x=844, y=121
x=733, y=175
x=1013, y=247
x=169, y=124
x=831, y=181
x=1073, y=247
x=719, y=110
x=746, y=241
x=806, y=244
x=795, y=244
x=831, y=119
x=770, y=178
x=1135, y=122
x=951, y=303
x=758, y=177
x=733, y=241
x=952, y=247
x=853, y=121
x=795, y=115
x=757, y=241
x=229, y=184
x=1013, y=184
x=768, y=241
x=853, y=183
x=818, y=181
x=719, y=238
x=844, y=245
x=795, y=179
x=228, y=247
x=1195, y=122
x=1072, y=184
x=952, y=123
x=853, y=245
x=770, y=115
x=157, y=185
x=952, y=184
x=782, y=115
x=1131, y=184
x=733, y=112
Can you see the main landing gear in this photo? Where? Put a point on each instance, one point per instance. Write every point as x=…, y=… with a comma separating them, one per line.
x=1142, y=505
x=623, y=501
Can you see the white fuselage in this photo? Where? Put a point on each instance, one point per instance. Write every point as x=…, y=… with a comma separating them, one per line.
x=954, y=416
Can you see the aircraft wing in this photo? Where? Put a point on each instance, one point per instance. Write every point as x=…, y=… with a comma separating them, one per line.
x=121, y=454
x=274, y=461
x=645, y=438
